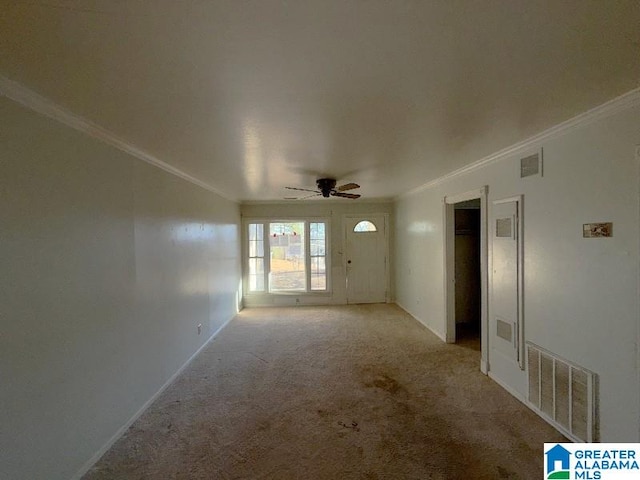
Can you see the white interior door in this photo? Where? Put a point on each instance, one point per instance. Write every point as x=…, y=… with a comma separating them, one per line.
x=366, y=258
x=506, y=295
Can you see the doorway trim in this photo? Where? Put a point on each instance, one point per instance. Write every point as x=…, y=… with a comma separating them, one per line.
x=448, y=214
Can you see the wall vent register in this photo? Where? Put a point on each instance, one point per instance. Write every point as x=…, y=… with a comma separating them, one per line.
x=504, y=330
x=531, y=165
x=563, y=393
x=504, y=227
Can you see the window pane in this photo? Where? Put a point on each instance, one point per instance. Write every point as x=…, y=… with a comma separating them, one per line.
x=365, y=226
x=256, y=248
x=256, y=274
x=317, y=231
x=256, y=240
x=318, y=251
x=317, y=248
x=318, y=274
x=256, y=257
x=287, y=254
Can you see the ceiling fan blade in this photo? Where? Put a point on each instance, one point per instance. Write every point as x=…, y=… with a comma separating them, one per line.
x=347, y=186
x=345, y=195
x=303, y=198
x=302, y=189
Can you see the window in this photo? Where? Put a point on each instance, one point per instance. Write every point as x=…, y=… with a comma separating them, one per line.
x=365, y=226
x=295, y=259
x=287, y=259
x=317, y=241
x=256, y=257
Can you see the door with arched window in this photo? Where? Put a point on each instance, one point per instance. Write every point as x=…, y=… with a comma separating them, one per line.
x=366, y=259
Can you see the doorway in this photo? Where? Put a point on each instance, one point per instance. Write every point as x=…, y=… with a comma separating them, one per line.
x=466, y=277
x=467, y=272
x=366, y=258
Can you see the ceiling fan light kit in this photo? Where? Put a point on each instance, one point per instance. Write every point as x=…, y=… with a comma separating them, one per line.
x=325, y=185
x=327, y=188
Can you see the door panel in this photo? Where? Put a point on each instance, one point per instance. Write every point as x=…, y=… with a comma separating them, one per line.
x=365, y=257
x=505, y=305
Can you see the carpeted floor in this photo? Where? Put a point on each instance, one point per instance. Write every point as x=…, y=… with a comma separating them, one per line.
x=348, y=392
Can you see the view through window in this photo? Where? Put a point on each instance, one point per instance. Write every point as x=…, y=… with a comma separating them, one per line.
x=295, y=258
x=318, y=255
x=365, y=226
x=286, y=248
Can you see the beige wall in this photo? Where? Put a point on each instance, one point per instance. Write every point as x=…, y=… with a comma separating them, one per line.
x=108, y=265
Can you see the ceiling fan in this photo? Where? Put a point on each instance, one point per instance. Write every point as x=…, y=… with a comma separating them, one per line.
x=327, y=188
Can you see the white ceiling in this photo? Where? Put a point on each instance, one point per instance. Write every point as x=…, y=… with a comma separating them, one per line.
x=250, y=96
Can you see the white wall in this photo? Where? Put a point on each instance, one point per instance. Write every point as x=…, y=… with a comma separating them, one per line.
x=335, y=211
x=581, y=295
x=108, y=264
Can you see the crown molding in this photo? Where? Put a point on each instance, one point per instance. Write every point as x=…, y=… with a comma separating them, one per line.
x=616, y=105
x=42, y=105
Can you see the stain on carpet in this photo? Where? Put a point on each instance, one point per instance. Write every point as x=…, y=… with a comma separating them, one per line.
x=386, y=383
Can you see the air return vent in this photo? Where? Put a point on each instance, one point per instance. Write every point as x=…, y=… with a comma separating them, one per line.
x=563, y=393
x=504, y=330
x=531, y=165
x=503, y=227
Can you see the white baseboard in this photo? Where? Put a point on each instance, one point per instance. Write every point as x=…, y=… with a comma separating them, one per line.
x=507, y=388
x=530, y=407
x=116, y=436
x=440, y=335
x=484, y=367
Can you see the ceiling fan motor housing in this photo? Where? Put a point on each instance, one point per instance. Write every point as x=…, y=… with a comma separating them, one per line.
x=326, y=185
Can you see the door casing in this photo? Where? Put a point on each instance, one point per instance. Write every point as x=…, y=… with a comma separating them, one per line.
x=449, y=269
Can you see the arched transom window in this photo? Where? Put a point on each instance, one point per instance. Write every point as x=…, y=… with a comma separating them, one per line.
x=365, y=226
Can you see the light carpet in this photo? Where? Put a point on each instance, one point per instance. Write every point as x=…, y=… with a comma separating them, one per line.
x=344, y=392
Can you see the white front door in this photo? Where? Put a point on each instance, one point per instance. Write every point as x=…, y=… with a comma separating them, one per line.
x=366, y=258
x=506, y=316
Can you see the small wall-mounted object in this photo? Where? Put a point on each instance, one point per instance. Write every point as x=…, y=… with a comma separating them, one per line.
x=531, y=165
x=597, y=230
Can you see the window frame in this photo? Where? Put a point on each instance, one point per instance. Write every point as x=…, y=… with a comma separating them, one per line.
x=266, y=222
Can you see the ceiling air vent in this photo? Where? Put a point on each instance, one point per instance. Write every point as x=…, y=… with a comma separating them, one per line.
x=531, y=165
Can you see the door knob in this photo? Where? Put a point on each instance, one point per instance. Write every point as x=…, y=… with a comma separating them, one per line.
x=348, y=261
